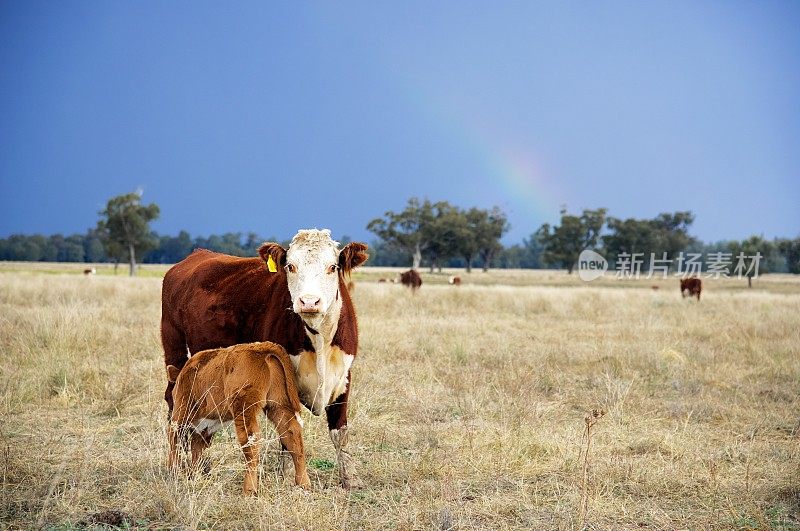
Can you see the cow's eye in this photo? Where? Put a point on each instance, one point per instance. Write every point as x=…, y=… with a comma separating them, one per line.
x=331, y=269
x=290, y=268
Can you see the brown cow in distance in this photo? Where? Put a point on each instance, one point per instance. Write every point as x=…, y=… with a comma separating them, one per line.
x=692, y=287
x=411, y=279
x=455, y=280
x=294, y=297
x=237, y=384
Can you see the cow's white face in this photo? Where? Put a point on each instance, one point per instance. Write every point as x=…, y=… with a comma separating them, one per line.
x=312, y=274
x=312, y=267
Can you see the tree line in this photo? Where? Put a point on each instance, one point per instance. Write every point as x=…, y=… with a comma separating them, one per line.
x=436, y=234
x=123, y=235
x=423, y=234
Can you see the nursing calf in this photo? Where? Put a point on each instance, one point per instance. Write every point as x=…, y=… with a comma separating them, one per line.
x=236, y=384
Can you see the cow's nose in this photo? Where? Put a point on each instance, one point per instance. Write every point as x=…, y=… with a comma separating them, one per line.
x=309, y=303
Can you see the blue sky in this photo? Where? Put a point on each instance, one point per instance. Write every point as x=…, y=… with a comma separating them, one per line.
x=271, y=117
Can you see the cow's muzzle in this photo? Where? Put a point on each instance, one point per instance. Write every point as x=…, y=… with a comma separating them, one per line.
x=310, y=304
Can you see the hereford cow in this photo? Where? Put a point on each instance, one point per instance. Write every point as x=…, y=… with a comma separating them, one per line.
x=296, y=298
x=456, y=281
x=691, y=286
x=237, y=384
x=411, y=279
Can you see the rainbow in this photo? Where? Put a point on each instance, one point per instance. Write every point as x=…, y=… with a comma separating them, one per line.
x=529, y=189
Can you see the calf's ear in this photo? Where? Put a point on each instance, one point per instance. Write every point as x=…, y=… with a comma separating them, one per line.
x=172, y=373
x=276, y=252
x=352, y=255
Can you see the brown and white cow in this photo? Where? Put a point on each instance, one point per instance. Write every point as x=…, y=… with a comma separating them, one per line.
x=237, y=384
x=692, y=287
x=294, y=297
x=454, y=280
x=411, y=279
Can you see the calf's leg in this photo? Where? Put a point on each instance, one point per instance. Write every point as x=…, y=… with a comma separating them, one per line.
x=248, y=433
x=291, y=435
x=172, y=437
x=199, y=445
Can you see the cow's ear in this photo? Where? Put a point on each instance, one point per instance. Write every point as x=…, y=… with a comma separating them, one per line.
x=353, y=255
x=276, y=252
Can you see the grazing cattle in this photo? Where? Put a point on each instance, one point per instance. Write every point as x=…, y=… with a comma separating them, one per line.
x=692, y=287
x=456, y=281
x=90, y=271
x=411, y=279
x=237, y=384
x=381, y=280
x=654, y=287
x=296, y=298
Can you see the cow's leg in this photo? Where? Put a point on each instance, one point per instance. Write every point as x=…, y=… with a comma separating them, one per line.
x=248, y=433
x=174, y=343
x=291, y=435
x=336, y=413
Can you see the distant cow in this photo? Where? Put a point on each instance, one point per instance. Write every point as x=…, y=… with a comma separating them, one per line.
x=90, y=271
x=237, y=384
x=411, y=279
x=294, y=297
x=456, y=281
x=691, y=286
x=351, y=286
x=654, y=287
x=381, y=280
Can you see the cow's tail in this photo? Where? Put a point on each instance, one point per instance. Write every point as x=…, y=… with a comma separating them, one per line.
x=288, y=375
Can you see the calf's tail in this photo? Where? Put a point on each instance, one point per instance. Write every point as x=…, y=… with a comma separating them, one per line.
x=280, y=354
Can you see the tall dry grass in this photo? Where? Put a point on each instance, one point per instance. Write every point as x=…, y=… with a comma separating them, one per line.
x=468, y=410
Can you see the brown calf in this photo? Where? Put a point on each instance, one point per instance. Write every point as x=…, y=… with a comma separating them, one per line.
x=236, y=384
x=692, y=286
x=456, y=281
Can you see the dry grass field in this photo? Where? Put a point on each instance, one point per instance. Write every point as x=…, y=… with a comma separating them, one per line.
x=468, y=410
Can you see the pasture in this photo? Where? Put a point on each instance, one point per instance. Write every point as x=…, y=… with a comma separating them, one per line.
x=468, y=408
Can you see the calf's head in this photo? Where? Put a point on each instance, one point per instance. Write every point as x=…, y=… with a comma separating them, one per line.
x=312, y=266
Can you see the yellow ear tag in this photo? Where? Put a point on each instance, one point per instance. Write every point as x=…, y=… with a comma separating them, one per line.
x=271, y=265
